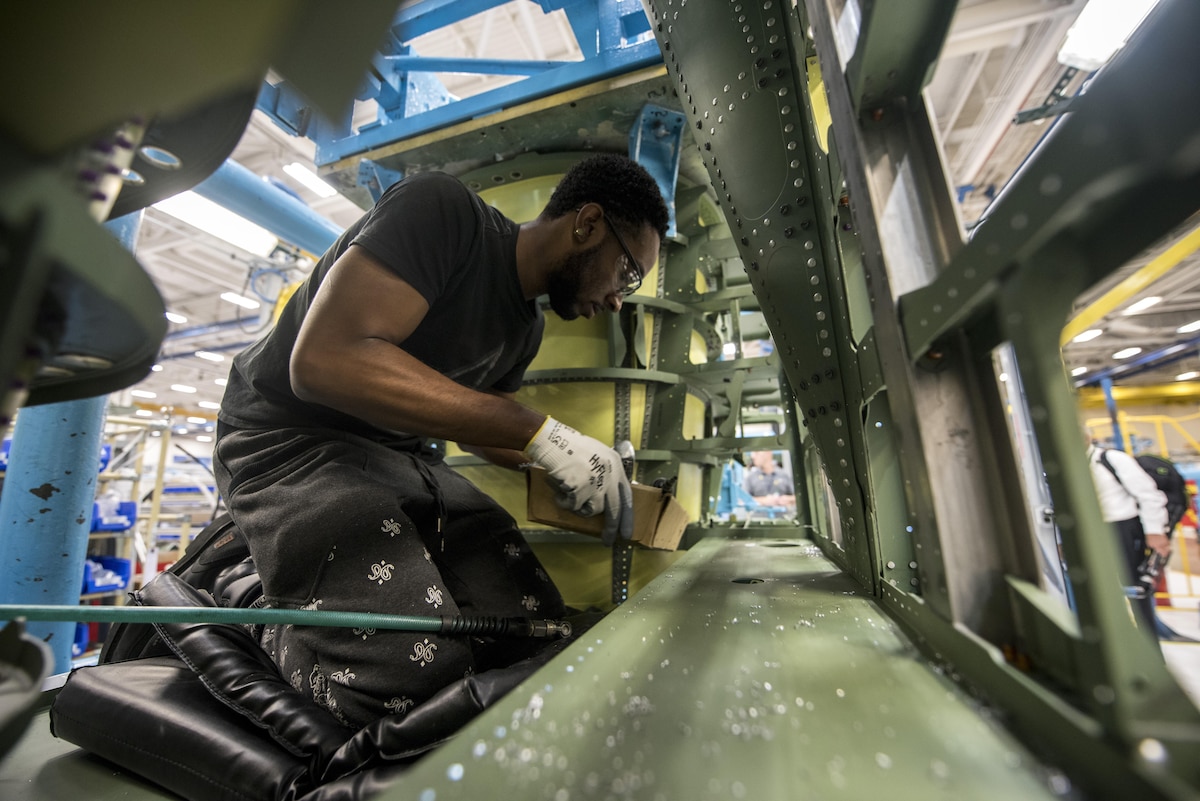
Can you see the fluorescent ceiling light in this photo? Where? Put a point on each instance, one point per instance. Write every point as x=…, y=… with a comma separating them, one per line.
x=1125, y=353
x=1188, y=376
x=1079, y=371
x=144, y=413
x=182, y=388
x=1102, y=29
x=310, y=179
x=209, y=356
x=220, y=382
x=200, y=212
x=1189, y=328
x=239, y=300
x=202, y=438
x=198, y=420
x=1088, y=335
x=142, y=393
x=174, y=317
x=1142, y=305
x=209, y=405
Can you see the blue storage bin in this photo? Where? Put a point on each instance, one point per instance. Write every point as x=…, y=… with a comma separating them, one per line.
x=126, y=509
x=97, y=580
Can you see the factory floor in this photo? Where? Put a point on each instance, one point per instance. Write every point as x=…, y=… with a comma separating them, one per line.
x=1183, y=617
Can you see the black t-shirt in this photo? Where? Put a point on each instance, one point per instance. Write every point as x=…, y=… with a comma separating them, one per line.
x=461, y=255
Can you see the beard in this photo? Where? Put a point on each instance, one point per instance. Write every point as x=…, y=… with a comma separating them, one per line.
x=566, y=283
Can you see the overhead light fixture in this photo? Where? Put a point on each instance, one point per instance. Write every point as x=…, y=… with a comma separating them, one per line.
x=203, y=438
x=209, y=356
x=198, y=420
x=240, y=300
x=1079, y=371
x=142, y=393
x=1142, y=305
x=209, y=405
x=310, y=179
x=175, y=317
x=220, y=382
x=1125, y=353
x=182, y=388
x=1102, y=29
x=1088, y=335
x=144, y=413
x=1188, y=376
x=200, y=212
x=1190, y=328
x=156, y=368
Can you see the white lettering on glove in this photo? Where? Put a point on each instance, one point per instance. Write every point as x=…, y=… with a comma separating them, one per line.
x=587, y=474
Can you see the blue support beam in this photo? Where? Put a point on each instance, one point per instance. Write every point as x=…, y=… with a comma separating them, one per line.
x=376, y=178
x=1147, y=361
x=606, y=65
x=655, y=142
x=482, y=66
x=613, y=35
x=244, y=193
x=425, y=17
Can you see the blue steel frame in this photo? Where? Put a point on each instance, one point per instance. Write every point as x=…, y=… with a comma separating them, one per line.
x=613, y=35
x=654, y=142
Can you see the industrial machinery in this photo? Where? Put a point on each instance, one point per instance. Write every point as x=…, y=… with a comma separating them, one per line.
x=918, y=631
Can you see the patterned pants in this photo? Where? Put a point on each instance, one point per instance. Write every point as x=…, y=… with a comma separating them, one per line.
x=337, y=522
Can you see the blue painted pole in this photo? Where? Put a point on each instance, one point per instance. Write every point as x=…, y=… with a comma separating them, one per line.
x=1106, y=385
x=46, y=506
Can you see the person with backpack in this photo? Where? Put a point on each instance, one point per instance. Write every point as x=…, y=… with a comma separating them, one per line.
x=1131, y=500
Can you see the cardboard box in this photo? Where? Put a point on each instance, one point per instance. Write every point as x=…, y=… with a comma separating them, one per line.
x=658, y=520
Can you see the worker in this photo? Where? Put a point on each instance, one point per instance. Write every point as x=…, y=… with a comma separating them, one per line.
x=417, y=326
x=1132, y=502
x=769, y=483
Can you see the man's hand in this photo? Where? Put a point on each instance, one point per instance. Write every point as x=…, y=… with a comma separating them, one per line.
x=1159, y=543
x=588, y=474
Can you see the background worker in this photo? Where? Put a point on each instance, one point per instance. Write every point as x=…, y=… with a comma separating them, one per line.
x=1131, y=501
x=418, y=325
x=769, y=483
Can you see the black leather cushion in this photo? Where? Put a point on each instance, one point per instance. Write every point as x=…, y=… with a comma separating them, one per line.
x=155, y=718
x=242, y=676
x=202, y=710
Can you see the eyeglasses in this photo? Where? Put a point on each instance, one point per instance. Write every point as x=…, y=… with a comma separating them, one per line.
x=631, y=272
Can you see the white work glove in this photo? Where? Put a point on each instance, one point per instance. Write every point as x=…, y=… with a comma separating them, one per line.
x=587, y=474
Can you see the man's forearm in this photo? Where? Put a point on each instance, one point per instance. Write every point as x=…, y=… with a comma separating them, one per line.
x=382, y=384
x=504, y=457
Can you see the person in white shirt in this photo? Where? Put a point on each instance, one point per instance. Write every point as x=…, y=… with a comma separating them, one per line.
x=1131, y=501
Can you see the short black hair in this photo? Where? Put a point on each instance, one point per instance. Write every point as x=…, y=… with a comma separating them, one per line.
x=623, y=188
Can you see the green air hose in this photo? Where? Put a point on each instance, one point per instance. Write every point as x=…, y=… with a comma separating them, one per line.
x=484, y=626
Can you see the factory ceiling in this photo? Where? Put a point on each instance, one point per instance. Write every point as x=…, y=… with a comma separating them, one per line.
x=999, y=62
